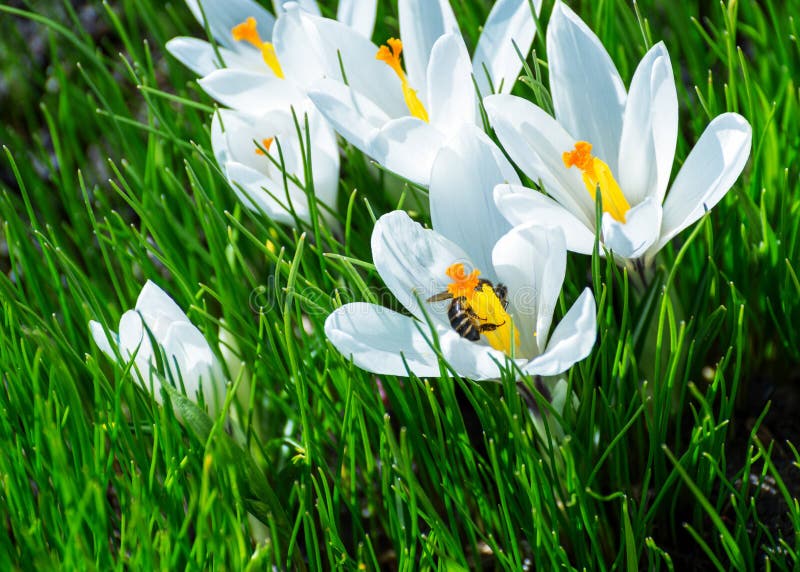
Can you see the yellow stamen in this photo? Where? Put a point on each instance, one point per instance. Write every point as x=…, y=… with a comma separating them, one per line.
x=390, y=55
x=485, y=304
x=266, y=144
x=247, y=32
x=596, y=173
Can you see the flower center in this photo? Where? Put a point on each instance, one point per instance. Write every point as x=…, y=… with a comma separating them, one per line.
x=266, y=144
x=483, y=307
x=390, y=55
x=597, y=174
x=246, y=31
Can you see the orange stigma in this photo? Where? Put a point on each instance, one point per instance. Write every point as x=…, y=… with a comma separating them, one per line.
x=390, y=55
x=247, y=31
x=266, y=144
x=462, y=284
x=580, y=157
x=597, y=173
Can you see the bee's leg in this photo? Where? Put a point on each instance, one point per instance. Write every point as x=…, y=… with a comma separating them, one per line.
x=471, y=313
x=490, y=327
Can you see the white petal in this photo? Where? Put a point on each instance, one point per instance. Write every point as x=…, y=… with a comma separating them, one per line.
x=588, y=94
x=234, y=135
x=353, y=116
x=298, y=47
x=462, y=208
x=638, y=233
x=200, y=57
x=531, y=261
x=572, y=340
x=223, y=15
x=346, y=51
x=324, y=159
x=102, y=341
x=510, y=22
x=384, y=342
x=649, y=129
x=309, y=6
x=379, y=340
x=451, y=93
x=536, y=143
x=250, y=91
x=520, y=205
x=708, y=173
x=133, y=339
x=421, y=24
x=412, y=262
x=260, y=192
x=158, y=310
x=408, y=147
x=192, y=362
x=358, y=15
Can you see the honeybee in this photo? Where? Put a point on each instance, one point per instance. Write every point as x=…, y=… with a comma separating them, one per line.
x=464, y=320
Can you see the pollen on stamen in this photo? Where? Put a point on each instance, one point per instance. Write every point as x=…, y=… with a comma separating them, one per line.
x=247, y=31
x=462, y=284
x=266, y=144
x=597, y=175
x=390, y=55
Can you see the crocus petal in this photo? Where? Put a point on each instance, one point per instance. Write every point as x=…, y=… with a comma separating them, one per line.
x=422, y=22
x=531, y=261
x=251, y=91
x=381, y=341
x=520, y=205
x=324, y=158
x=158, y=310
x=358, y=15
x=223, y=15
x=408, y=147
x=462, y=208
x=708, y=173
x=451, y=94
x=649, y=129
x=309, y=6
x=572, y=340
x=102, y=341
x=259, y=192
x=347, y=52
x=234, y=135
x=588, y=94
x=385, y=342
x=299, y=47
x=509, y=23
x=638, y=233
x=192, y=362
x=200, y=57
x=412, y=262
x=133, y=339
x=536, y=143
x=355, y=117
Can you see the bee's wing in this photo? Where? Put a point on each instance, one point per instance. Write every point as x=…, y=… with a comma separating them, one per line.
x=440, y=297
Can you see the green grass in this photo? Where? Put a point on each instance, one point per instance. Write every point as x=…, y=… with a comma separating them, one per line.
x=675, y=456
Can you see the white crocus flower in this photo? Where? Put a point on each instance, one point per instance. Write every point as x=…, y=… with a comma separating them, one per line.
x=223, y=16
x=263, y=155
x=469, y=239
x=261, y=62
x=409, y=113
x=186, y=352
x=620, y=142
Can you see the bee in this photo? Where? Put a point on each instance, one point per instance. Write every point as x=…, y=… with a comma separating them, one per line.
x=464, y=320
